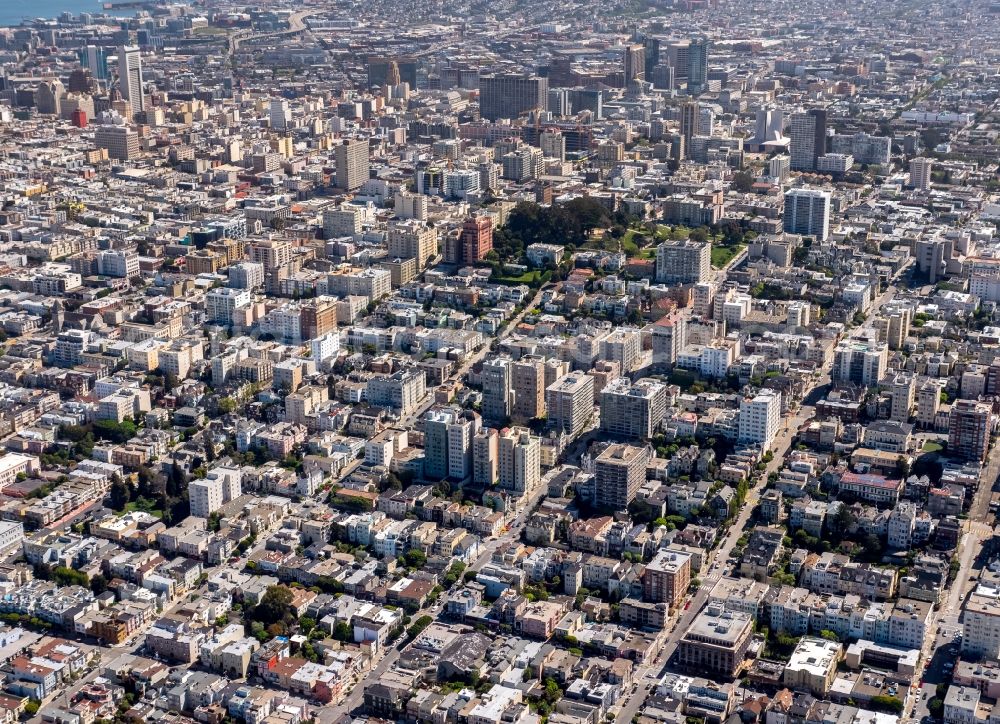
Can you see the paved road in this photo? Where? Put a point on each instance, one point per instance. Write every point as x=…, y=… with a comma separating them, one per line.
x=328, y=715
x=428, y=401
x=715, y=568
x=943, y=638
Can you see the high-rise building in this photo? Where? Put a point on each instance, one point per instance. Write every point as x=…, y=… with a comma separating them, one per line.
x=920, y=173
x=342, y=221
x=862, y=363
x=928, y=403
x=807, y=132
x=497, y=386
x=130, y=77
x=383, y=70
x=624, y=346
x=864, y=148
x=779, y=167
x=271, y=253
x=893, y=325
x=760, y=418
x=569, y=402
x=520, y=460
x=209, y=494
x=807, y=212
x=119, y=263
x=768, y=127
x=448, y=435
x=476, y=240
x=352, y=164
x=666, y=577
x=280, y=114
x=560, y=103
x=485, y=456
x=634, y=57
x=392, y=75
x=676, y=54
x=95, y=59
x=633, y=411
x=690, y=120
x=668, y=339
x=412, y=239
x=663, y=78
x=619, y=471
x=651, y=54
x=221, y=303
x=969, y=430
x=697, y=77
x=528, y=381
x=121, y=142
x=901, y=395
x=981, y=627
x=49, y=97
x=553, y=144
x=246, y=275
x=683, y=262
x=509, y=95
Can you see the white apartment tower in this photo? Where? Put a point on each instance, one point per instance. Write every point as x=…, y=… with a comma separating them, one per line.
x=130, y=77
x=520, y=460
x=760, y=418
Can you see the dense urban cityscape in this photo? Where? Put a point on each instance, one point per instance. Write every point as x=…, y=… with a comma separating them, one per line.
x=500, y=363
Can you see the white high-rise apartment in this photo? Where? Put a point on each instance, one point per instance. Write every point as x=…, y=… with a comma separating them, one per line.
x=807, y=212
x=920, y=173
x=520, y=460
x=570, y=402
x=683, y=262
x=130, y=77
x=760, y=417
x=280, y=114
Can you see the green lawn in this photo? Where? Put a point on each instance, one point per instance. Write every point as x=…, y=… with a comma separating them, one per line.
x=722, y=255
x=143, y=505
x=931, y=446
x=532, y=276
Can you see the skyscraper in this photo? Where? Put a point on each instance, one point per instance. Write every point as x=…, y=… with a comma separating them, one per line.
x=383, y=70
x=392, y=77
x=920, y=173
x=651, y=48
x=352, y=164
x=635, y=63
x=690, y=118
x=698, y=65
x=130, y=77
x=280, y=114
x=95, y=59
x=807, y=132
x=807, y=212
x=632, y=411
x=508, y=95
x=768, y=127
